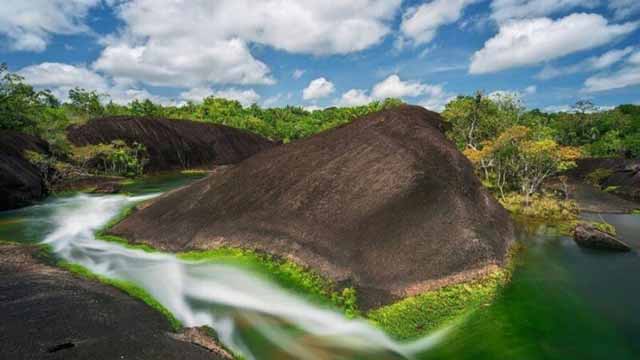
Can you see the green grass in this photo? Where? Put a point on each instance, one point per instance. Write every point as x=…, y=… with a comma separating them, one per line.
x=419, y=315
x=285, y=273
x=127, y=287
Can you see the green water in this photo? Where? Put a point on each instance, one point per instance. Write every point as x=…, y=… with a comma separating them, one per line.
x=563, y=302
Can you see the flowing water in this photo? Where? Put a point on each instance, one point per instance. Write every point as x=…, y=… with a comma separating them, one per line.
x=563, y=302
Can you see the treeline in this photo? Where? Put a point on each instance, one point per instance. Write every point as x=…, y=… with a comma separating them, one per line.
x=25, y=109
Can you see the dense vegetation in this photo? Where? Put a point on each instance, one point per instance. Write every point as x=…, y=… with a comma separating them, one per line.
x=514, y=149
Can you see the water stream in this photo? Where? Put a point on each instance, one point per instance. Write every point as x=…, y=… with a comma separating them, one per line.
x=564, y=302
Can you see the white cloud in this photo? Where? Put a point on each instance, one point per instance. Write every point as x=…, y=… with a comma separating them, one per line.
x=421, y=23
x=297, y=73
x=528, y=42
x=60, y=78
x=312, y=108
x=196, y=94
x=603, y=61
x=624, y=8
x=435, y=97
x=635, y=58
x=625, y=77
x=354, y=97
x=203, y=42
x=502, y=10
x=29, y=24
x=530, y=90
x=317, y=89
x=393, y=87
x=244, y=97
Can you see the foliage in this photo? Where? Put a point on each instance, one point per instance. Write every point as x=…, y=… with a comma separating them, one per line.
x=597, y=176
x=416, y=316
x=540, y=206
x=116, y=158
x=518, y=160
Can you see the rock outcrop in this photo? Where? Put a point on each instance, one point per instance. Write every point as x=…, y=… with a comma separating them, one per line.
x=173, y=144
x=48, y=313
x=589, y=236
x=21, y=182
x=385, y=203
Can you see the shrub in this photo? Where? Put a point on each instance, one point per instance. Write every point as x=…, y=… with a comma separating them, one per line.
x=116, y=158
x=597, y=176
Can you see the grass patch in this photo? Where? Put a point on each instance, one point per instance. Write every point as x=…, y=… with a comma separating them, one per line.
x=635, y=212
x=597, y=176
x=285, y=273
x=127, y=287
x=416, y=316
x=541, y=206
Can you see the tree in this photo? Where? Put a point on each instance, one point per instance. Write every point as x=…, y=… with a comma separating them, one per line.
x=20, y=105
x=86, y=102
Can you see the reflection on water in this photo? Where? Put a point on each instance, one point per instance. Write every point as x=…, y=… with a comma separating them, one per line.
x=563, y=302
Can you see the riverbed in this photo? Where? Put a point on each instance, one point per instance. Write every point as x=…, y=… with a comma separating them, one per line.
x=564, y=302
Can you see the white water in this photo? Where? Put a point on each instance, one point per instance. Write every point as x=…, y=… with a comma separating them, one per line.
x=222, y=296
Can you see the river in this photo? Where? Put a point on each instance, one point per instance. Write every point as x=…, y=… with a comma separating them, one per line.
x=563, y=302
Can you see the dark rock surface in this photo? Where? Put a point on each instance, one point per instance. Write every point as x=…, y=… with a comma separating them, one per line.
x=386, y=203
x=173, y=144
x=21, y=182
x=589, y=236
x=47, y=313
x=624, y=180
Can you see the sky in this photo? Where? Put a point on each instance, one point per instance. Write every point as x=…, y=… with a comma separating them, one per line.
x=318, y=53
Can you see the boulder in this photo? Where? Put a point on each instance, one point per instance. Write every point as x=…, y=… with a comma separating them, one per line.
x=21, y=182
x=385, y=203
x=48, y=313
x=172, y=144
x=587, y=235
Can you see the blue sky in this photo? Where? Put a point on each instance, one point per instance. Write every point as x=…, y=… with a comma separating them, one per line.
x=322, y=53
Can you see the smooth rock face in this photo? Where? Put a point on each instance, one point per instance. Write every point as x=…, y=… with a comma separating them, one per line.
x=385, y=203
x=48, y=313
x=21, y=182
x=587, y=235
x=173, y=144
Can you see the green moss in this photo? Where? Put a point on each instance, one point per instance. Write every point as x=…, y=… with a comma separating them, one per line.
x=635, y=212
x=604, y=227
x=128, y=287
x=611, y=189
x=416, y=316
x=285, y=273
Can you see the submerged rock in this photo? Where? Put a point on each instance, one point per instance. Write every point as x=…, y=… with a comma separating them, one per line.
x=21, y=182
x=386, y=203
x=173, y=144
x=587, y=235
x=48, y=313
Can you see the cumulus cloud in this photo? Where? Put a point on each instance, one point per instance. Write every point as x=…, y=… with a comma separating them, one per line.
x=354, y=97
x=244, y=97
x=623, y=9
x=527, y=42
x=197, y=43
x=60, y=78
x=603, y=61
x=502, y=10
x=435, y=97
x=317, y=89
x=421, y=23
x=29, y=24
x=393, y=87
